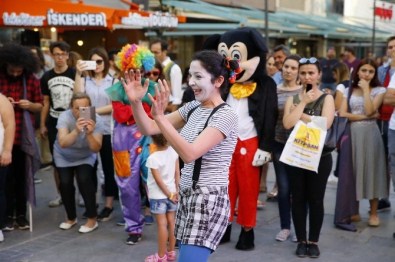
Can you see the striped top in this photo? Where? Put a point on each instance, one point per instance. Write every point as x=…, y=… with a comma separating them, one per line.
x=282, y=134
x=216, y=162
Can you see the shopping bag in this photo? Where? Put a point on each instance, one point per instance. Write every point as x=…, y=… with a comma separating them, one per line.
x=304, y=146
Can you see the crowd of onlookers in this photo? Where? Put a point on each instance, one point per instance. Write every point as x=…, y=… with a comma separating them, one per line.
x=58, y=110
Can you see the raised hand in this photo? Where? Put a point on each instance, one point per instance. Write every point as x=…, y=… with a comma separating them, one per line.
x=159, y=103
x=133, y=87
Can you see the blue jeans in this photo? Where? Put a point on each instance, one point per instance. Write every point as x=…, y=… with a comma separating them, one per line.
x=391, y=154
x=284, y=192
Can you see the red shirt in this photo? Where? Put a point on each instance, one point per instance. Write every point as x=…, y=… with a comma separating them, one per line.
x=14, y=89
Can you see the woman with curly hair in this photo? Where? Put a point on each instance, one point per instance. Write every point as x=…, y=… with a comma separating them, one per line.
x=19, y=84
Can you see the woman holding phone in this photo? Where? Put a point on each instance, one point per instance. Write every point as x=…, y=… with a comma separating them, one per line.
x=94, y=84
x=75, y=152
x=308, y=187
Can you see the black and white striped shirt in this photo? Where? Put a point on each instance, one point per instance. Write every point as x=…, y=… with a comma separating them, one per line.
x=216, y=162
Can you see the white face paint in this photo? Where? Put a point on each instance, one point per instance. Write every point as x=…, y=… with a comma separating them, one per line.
x=200, y=81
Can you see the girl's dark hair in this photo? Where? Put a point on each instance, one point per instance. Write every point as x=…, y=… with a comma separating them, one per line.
x=216, y=65
x=309, y=62
x=19, y=56
x=292, y=57
x=100, y=51
x=342, y=71
x=375, y=80
x=79, y=95
x=159, y=140
x=373, y=83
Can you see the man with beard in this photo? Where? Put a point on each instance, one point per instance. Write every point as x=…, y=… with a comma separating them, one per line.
x=22, y=88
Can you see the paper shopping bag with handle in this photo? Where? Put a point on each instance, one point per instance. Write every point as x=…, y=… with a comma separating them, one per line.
x=304, y=146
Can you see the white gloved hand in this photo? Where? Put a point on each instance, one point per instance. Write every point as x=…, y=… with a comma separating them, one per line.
x=261, y=157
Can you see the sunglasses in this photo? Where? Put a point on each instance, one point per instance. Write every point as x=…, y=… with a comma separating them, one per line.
x=99, y=61
x=149, y=73
x=311, y=60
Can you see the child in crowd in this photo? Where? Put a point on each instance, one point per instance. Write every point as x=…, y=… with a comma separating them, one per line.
x=162, y=183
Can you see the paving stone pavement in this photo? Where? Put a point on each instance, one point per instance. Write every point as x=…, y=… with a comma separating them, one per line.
x=47, y=243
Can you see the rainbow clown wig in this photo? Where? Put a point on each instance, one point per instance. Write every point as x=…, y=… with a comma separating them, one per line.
x=133, y=56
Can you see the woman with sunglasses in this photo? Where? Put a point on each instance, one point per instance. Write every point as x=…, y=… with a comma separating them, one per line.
x=308, y=187
x=156, y=73
x=94, y=85
x=364, y=98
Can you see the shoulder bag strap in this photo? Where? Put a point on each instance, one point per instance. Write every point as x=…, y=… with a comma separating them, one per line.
x=198, y=162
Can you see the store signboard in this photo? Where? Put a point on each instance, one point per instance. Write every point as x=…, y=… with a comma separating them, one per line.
x=76, y=19
x=22, y=19
x=156, y=19
x=55, y=19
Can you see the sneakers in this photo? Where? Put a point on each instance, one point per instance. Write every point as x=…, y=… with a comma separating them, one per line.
x=294, y=238
x=383, y=205
x=313, y=251
x=9, y=224
x=22, y=222
x=148, y=220
x=56, y=202
x=171, y=255
x=133, y=239
x=301, y=250
x=155, y=258
x=1, y=236
x=105, y=214
x=283, y=235
x=121, y=223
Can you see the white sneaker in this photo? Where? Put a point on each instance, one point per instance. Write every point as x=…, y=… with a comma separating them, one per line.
x=283, y=235
x=1, y=236
x=56, y=202
x=294, y=238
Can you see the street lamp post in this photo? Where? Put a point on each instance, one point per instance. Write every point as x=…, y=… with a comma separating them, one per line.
x=374, y=27
x=266, y=23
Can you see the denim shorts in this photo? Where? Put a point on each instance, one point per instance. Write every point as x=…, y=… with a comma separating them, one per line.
x=162, y=206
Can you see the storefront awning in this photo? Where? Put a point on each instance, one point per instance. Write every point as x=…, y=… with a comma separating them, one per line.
x=280, y=22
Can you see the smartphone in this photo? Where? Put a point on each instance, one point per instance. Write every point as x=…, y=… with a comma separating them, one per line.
x=88, y=112
x=308, y=87
x=90, y=65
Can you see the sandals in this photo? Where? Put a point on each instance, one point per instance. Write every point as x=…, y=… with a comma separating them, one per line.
x=171, y=255
x=272, y=194
x=260, y=204
x=155, y=258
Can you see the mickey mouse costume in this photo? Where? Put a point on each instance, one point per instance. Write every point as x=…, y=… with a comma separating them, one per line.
x=253, y=96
